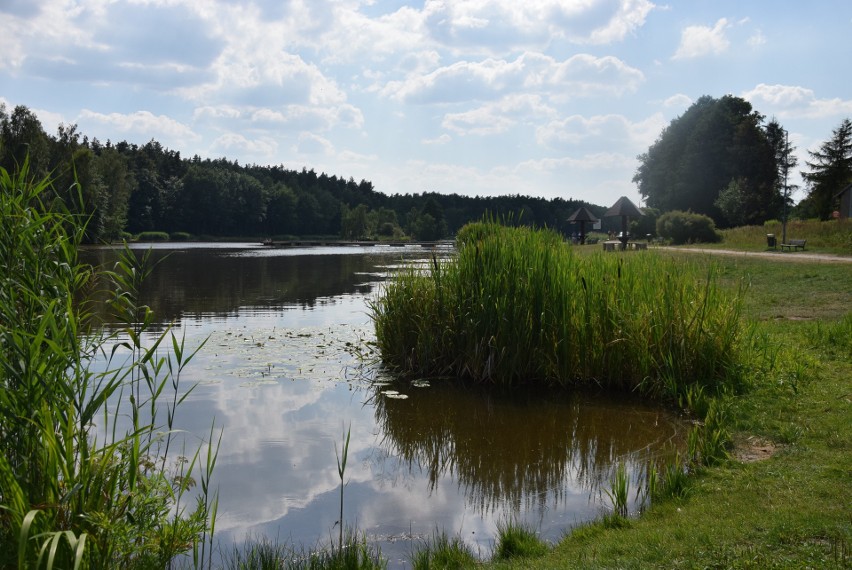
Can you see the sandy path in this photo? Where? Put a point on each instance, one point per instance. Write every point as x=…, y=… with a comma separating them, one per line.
x=776, y=255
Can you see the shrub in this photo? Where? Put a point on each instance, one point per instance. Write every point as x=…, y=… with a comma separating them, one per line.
x=153, y=236
x=180, y=236
x=687, y=227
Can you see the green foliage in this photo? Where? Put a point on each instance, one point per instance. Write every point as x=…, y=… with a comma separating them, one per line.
x=733, y=202
x=714, y=142
x=835, y=338
x=517, y=306
x=76, y=488
x=443, y=553
x=687, y=227
x=646, y=225
x=619, y=491
x=180, y=236
x=152, y=236
x=830, y=171
x=517, y=540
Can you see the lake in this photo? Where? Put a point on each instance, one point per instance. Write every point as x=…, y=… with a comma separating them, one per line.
x=281, y=375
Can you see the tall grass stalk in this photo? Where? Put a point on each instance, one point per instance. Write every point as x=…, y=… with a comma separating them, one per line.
x=516, y=306
x=342, y=457
x=619, y=491
x=79, y=485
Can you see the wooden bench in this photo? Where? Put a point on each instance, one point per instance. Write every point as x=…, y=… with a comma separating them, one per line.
x=793, y=245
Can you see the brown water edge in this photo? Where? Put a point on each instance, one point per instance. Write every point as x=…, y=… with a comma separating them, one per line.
x=519, y=446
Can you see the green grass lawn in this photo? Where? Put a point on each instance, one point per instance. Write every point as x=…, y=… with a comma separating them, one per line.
x=791, y=509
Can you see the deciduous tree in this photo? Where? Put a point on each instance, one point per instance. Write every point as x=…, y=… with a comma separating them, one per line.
x=715, y=142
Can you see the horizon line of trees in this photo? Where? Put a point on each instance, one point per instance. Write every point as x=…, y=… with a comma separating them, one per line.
x=129, y=189
x=719, y=159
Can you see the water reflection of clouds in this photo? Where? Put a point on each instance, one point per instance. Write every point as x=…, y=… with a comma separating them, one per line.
x=277, y=376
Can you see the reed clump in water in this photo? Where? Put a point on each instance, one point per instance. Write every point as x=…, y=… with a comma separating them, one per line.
x=516, y=306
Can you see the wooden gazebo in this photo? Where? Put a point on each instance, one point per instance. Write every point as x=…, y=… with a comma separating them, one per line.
x=625, y=209
x=582, y=216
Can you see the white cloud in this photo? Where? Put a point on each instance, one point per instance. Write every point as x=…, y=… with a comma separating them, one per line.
x=780, y=95
x=443, y=139
x=496, y=117
x=231, y=144
x=310, y=143
x=698, y=41
x=508, y=23
x=140, y=123
x=581, y=75
x=757, y=39
x=677, y=101
x=613, y=131
x=590, y=162
x=796, y=102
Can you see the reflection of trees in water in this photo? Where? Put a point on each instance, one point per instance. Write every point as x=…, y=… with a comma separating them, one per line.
x=520, y=448
x=218, y=282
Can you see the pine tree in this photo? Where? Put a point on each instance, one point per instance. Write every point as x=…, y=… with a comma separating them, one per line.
x=830, y=171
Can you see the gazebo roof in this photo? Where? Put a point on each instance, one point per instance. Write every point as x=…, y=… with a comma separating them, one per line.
x=623, y=207
x=582, y=215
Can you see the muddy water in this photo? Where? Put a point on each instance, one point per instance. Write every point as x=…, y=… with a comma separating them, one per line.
x=279, y=375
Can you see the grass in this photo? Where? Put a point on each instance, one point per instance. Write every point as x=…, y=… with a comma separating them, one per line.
x=833, y=236
x=353, y=553
x=443, y=552
x=790, y=510
x=517, y=541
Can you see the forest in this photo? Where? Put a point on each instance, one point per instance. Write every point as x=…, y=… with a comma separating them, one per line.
x=720, y=159
x=125, y=189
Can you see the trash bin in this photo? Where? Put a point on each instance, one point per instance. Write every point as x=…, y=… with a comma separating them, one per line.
x=770, y=240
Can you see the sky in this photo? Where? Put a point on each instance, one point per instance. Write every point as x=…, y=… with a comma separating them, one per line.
x=550, y=98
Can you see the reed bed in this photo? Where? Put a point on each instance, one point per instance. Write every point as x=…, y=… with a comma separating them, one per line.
x=516, y=306
x=79, y=489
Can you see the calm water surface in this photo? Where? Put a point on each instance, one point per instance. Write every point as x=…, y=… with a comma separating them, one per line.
x=279, y=376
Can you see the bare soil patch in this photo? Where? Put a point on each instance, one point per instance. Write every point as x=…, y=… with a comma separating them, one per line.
x=752, y=448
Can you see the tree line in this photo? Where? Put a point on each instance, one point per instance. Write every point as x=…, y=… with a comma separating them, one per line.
x=720, y=159
x=124, y=188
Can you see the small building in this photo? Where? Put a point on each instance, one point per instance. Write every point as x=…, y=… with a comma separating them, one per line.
x=845, y=199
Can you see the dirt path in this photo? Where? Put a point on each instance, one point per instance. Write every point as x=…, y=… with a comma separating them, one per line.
x=776, y=255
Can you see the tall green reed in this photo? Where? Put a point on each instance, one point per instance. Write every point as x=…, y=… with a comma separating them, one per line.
x=619, y=491
x=517, y=306
x=79, y=488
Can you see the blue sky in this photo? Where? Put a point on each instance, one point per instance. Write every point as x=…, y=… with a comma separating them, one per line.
x=551, y=98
